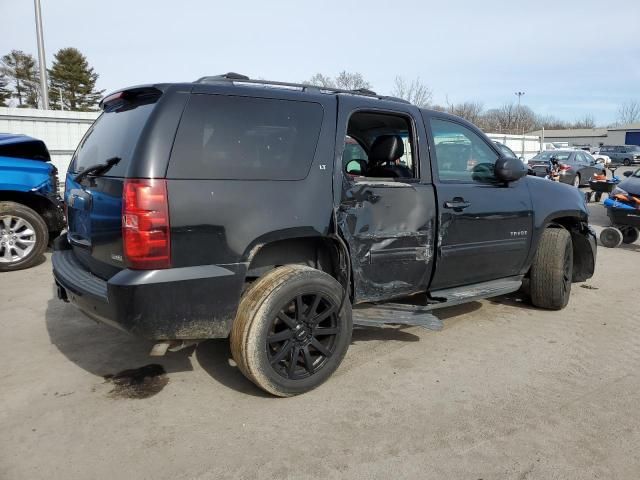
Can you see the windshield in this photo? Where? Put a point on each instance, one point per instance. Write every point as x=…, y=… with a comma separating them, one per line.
x=546, y=156
x=506, y=151
x=636, y=174
x=114, y=134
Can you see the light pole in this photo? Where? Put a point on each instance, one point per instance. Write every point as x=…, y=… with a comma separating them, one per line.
x=518, y=113
x=42, y=63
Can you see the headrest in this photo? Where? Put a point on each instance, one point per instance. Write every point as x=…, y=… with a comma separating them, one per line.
x=386, y=148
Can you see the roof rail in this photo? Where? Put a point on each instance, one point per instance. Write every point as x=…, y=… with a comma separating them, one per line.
x=233, y=78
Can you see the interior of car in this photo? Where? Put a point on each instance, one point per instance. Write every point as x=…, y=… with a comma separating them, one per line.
x=379, y=145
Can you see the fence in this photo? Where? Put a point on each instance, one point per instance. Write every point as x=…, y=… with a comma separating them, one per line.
x=60, y=130
x=525, y=146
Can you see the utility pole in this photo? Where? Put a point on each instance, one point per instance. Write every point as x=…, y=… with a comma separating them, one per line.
x=519, y=94
x=42, y=62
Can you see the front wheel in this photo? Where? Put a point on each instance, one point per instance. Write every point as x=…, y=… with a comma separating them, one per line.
x=288, y=336
x=627, y=162
x=552, y=270
x=23, y=236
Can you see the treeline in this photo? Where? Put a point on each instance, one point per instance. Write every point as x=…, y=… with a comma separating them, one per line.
x=509, y=118
x=72, y=81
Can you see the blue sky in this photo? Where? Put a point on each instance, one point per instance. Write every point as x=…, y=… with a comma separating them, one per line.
x=570, y=57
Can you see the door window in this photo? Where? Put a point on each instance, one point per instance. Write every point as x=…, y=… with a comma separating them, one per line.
x=461, y=154
x=383, y=148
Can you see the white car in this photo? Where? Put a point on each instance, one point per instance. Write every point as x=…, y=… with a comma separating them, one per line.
x=600, y=158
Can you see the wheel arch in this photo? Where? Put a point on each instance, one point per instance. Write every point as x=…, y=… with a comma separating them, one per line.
x=43, y=206
x=583, y=257
x=324, y=253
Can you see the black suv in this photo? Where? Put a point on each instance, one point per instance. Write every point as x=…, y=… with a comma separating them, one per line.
x=265, y=212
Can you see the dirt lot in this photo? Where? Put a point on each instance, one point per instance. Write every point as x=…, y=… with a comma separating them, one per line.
x=504, y=391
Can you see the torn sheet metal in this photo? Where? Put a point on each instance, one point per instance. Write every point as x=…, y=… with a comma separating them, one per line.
x=390, y=228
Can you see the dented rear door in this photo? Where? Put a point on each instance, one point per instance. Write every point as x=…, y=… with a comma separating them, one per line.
x=389, y=223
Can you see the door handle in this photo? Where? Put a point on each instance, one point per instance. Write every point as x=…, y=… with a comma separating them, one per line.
x=458, y=204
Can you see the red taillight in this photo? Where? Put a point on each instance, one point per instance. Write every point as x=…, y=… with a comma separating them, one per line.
x=563, y=168
x=146, y=235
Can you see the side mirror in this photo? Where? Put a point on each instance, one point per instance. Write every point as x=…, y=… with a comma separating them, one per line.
x=628, y=173
x=509, y=169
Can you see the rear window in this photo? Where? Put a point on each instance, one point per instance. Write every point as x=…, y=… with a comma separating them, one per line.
x=114, y=134
x=229, y=137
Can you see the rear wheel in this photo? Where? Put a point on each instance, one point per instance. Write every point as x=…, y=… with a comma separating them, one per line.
x=576, y=180
x=23, y=236
x=629, y=234
x=611, y=237
x=288, y=336
x=552, y=270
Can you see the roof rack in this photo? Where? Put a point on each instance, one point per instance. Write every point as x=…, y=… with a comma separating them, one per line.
x=233, y=78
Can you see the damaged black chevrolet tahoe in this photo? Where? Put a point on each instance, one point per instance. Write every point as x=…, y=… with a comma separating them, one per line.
x=279, y=215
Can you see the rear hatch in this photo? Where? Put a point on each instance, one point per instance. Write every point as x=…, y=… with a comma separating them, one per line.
x=96, y=177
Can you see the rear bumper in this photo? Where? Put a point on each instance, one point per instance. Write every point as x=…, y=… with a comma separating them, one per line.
x=179, y=303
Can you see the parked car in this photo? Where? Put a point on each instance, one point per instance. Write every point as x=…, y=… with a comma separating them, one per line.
x=576, y=167
x=219, y=208
x=624, y=154
x=601, y=158
x=30, y=208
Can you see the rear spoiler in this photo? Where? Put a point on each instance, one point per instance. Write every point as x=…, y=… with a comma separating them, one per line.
x=141, y=93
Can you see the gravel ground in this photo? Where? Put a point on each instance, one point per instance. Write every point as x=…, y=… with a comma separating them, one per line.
x=503, y=391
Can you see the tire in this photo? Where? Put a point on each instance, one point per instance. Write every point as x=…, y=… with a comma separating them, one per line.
x=576, y=180
x=611, y=237
x=23, y=247
x=598, y=196
x=552, y=270
x=626, y=162
x=629, y=234
x=274, y=342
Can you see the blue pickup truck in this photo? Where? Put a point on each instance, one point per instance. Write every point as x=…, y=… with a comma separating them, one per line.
x=30, y=208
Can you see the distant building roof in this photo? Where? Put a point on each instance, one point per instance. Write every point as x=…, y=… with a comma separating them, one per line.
x=628, y=126
x=572, y=132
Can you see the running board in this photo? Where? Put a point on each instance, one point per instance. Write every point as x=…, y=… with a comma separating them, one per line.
x=378, y=315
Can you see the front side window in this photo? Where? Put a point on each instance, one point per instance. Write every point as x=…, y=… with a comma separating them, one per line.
x=461, y=154
x=245, y=138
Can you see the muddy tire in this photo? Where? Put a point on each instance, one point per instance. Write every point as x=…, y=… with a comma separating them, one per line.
x=288, y=337
x=552, y=270
x=23, y=236
x=611, y=237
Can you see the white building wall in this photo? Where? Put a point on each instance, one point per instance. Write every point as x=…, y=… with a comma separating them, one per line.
x=616, y=137
x=60, y=130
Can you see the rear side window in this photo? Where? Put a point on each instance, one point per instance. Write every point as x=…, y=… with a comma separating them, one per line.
x=229, y=137
x=114, y=134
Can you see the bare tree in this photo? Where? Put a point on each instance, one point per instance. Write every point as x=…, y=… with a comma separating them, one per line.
x=585, y=122
x=345, y=80
x=415, y=91
x=509, y=118
x=629, y=112
x=470, y=111
x=351, y=81
x=321, y=80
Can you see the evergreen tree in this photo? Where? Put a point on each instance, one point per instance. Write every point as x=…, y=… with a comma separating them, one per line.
x=71, y=74
x=5, y=93
x=21, y=71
